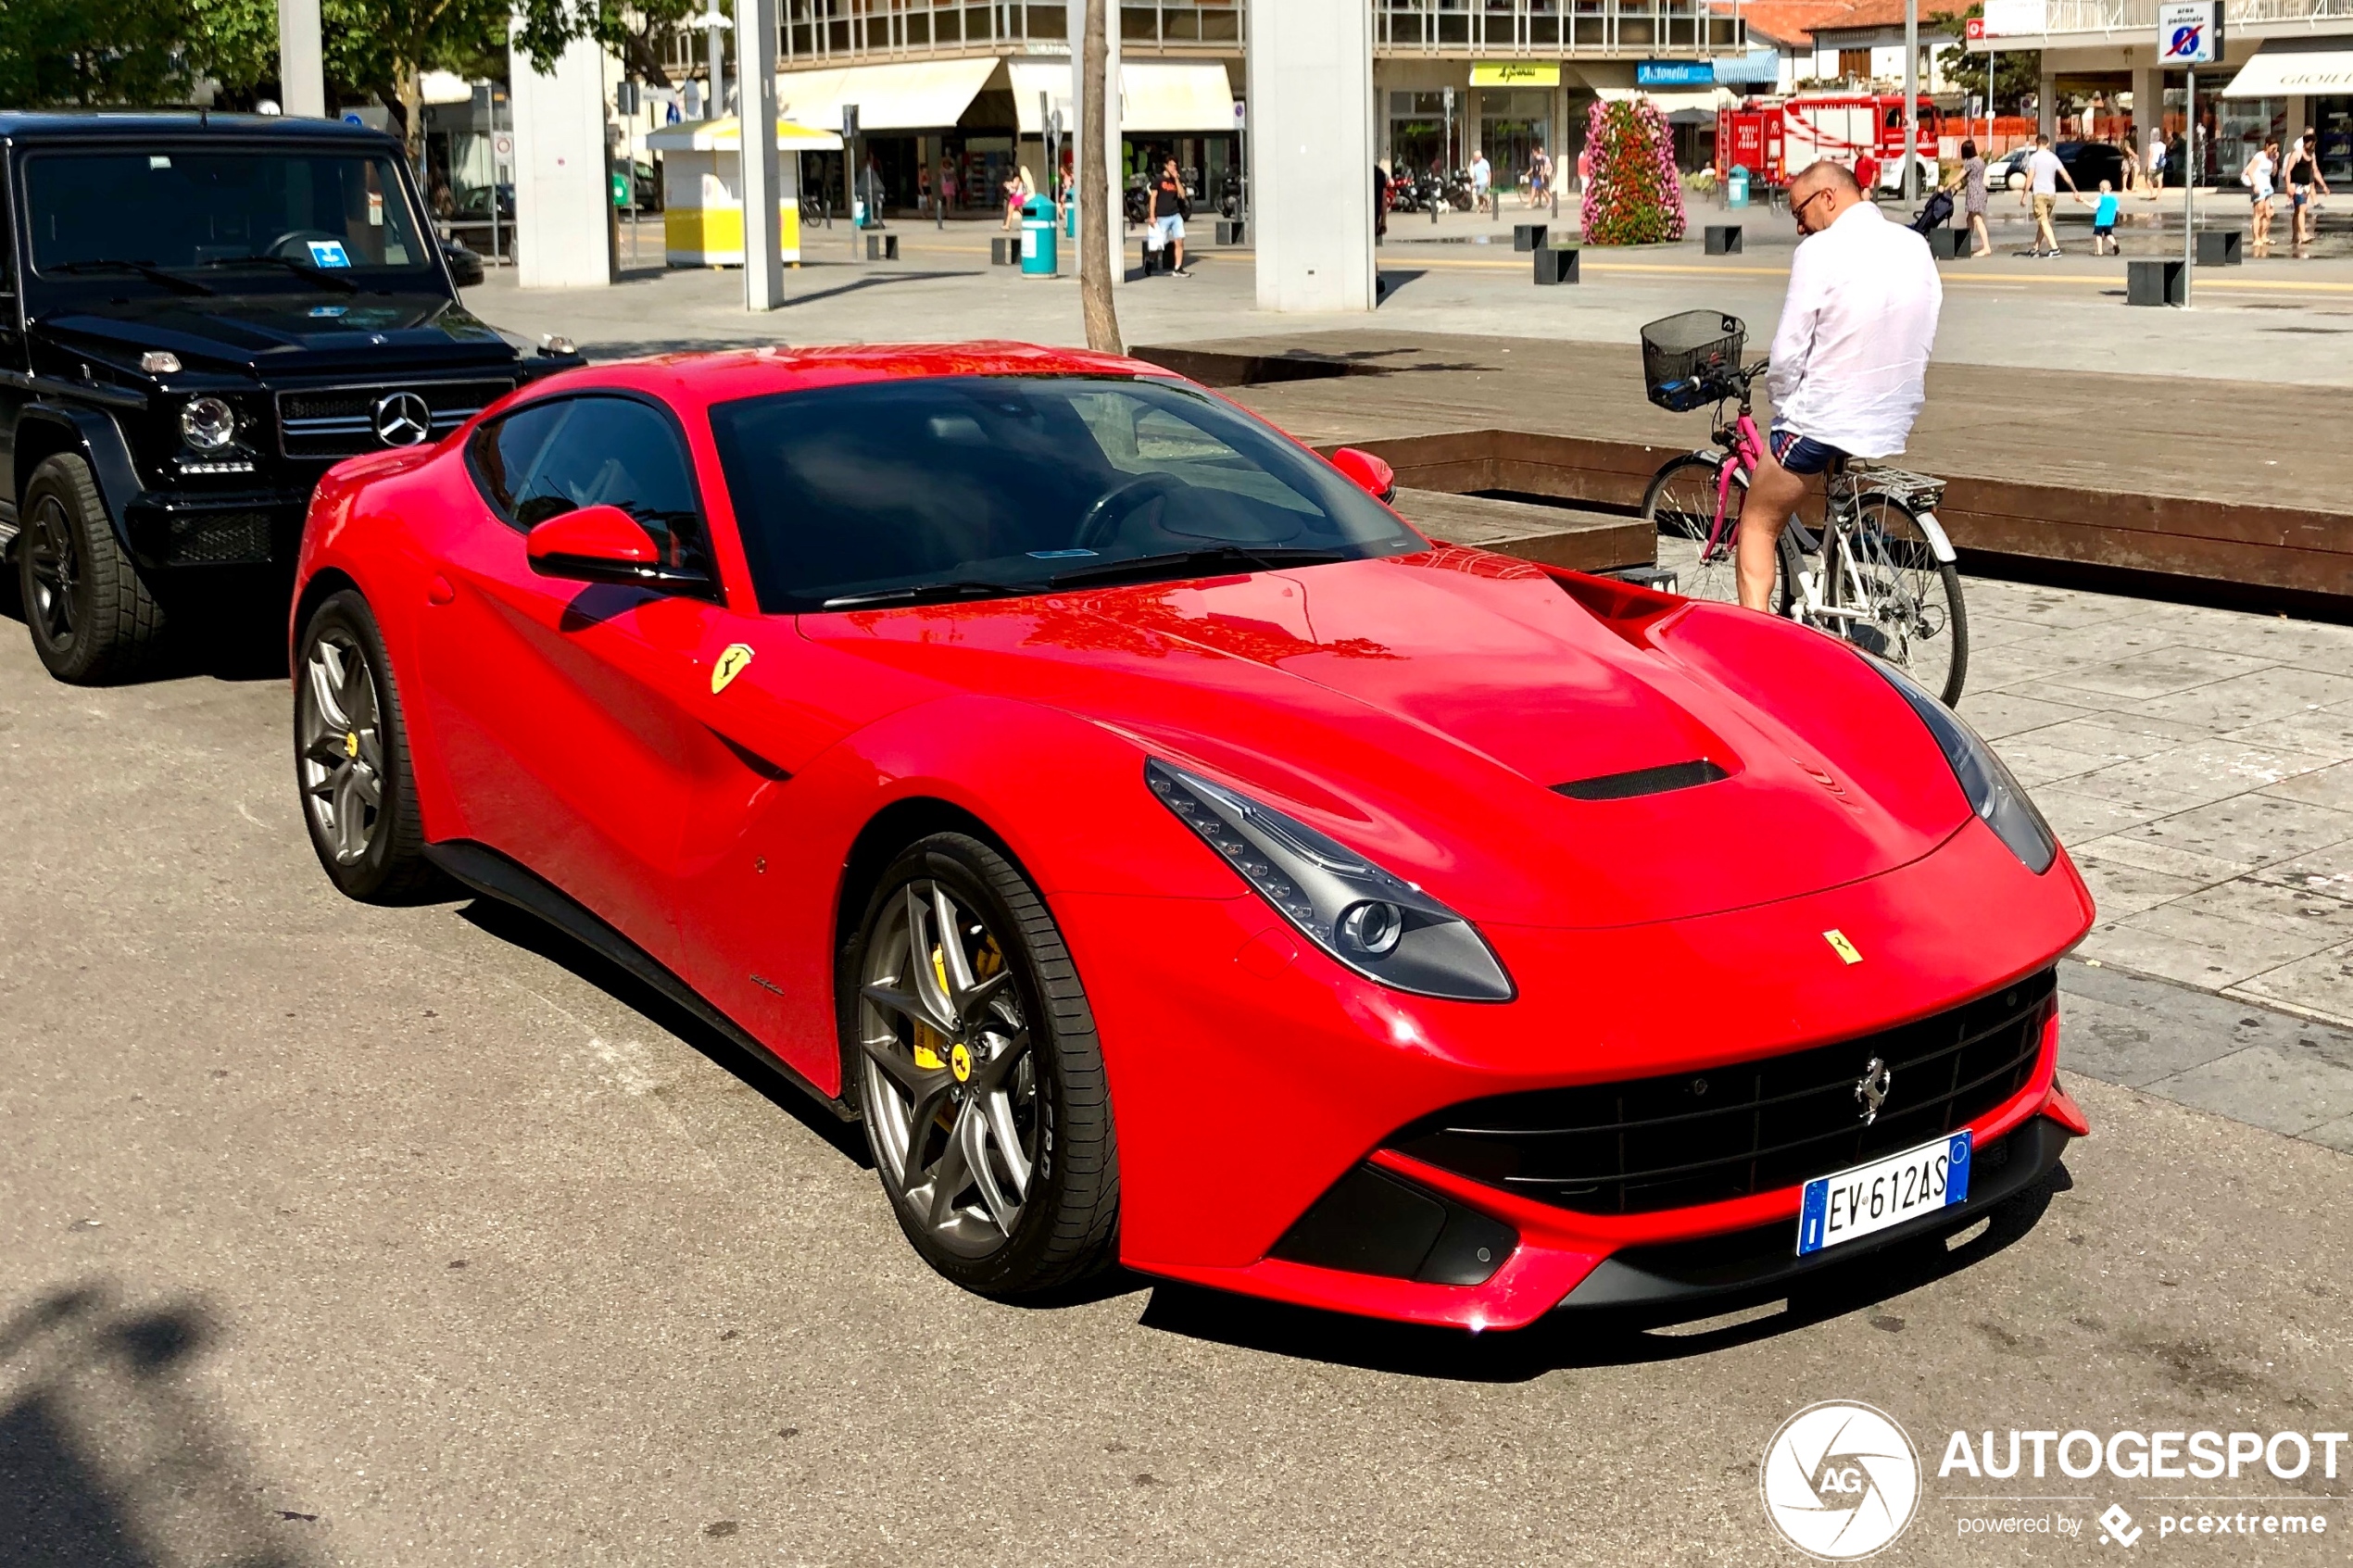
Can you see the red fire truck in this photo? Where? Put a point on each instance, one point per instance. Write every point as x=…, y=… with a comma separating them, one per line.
x=1773, y=138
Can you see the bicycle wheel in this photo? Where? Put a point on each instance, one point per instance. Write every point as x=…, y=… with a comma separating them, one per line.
x=1681, y=505
x=1909, y=603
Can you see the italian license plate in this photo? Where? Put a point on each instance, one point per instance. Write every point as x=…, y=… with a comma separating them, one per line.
x=1870, y=1198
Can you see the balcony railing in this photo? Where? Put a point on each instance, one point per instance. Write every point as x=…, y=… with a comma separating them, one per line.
x=1492, y=29
x=2139, y=17
x=841, y=31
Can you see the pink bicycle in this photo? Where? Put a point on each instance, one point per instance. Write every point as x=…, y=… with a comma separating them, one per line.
x=1877, y=569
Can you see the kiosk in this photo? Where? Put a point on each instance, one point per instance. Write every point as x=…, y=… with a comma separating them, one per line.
x=703, y=220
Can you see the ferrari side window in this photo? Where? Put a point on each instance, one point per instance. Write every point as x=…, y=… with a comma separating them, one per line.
x=558, y=456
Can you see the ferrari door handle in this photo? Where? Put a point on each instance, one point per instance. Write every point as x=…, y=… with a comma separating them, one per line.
x=440, y=591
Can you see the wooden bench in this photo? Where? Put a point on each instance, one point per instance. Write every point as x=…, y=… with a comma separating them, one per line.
x=1569, y=536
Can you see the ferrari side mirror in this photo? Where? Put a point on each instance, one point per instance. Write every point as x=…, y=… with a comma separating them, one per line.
x=1371, y=475
x=604, y=545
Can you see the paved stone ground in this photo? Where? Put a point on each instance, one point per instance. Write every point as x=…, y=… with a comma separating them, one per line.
x=339, y=1235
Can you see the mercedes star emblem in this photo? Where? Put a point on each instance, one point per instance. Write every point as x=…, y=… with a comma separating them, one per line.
x=402, y=419
x=1870, y=1089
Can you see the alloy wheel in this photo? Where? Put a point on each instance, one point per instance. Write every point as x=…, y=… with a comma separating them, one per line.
x=342, y=755
x=951, y=1097
x=55, y=563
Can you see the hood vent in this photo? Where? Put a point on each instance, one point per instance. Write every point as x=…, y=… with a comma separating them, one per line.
x=1643, y=781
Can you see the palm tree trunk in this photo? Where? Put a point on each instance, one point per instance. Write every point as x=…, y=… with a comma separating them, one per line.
x=1094, y=188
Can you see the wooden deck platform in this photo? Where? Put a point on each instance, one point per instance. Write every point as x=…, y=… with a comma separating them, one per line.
x=1569, y=536
x=2222, y=481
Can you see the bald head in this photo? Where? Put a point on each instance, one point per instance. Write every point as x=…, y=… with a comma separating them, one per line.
x=1820, y=192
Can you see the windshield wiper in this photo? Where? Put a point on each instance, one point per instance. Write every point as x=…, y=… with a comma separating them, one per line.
x=300, y=269
x=965, y=588
x=147, y=269
x=1183, y=563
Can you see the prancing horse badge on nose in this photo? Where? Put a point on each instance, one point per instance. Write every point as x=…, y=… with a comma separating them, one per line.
x=1842, y=946
x=731, y=660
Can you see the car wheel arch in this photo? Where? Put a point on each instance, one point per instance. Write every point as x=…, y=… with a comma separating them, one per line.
x=324, y=585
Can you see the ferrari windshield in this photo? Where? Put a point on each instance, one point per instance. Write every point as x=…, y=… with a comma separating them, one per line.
x=919, y=489
x=193, y=213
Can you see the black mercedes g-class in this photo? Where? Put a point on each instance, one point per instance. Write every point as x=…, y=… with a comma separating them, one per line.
x=198, y=315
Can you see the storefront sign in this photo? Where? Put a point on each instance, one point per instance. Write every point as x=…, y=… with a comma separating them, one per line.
x=1514, y=73
x=2014, y=19
x=1674, y=73
x=2189, y=33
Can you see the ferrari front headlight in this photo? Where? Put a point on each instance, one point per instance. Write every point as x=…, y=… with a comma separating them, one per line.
x=1993, y=793
x=1376, y=922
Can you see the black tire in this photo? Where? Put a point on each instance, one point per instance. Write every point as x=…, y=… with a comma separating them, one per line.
x=1067, y=1224
x=1681, y=508
x=92, y=618
x=1893, y=553
x=346, y=748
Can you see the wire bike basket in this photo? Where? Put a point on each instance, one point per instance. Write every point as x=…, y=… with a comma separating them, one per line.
x=1685, y=358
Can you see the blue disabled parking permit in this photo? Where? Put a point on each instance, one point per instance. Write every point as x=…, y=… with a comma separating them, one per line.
x=328, y=253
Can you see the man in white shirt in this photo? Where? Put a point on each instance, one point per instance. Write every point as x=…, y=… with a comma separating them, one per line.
x=1849, y=357
x=2044, y=172
x=1482, y=175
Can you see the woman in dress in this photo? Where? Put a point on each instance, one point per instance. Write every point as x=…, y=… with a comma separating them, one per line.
x=1974, y=199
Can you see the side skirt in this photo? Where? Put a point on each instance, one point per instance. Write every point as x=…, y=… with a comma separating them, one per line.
x=495, y=876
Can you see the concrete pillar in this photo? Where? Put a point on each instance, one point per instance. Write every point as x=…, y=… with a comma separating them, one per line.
x=564, y=234
x=302, y=72
x=1115, y=165
x=756, y=76
x=1312, y=149
x=2046, y=100
x=2148, y=107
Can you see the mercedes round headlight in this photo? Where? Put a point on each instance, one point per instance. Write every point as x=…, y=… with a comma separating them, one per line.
x=1992, y=793
x=1377, y=924
x=207, y=423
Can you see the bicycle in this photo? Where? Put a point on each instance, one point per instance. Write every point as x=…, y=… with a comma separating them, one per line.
x=1878, y=572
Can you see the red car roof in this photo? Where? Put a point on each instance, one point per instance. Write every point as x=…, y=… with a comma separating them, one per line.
x=719, y=376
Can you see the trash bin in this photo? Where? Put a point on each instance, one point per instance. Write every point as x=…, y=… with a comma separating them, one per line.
x=1736, y=188
x=1038, y=239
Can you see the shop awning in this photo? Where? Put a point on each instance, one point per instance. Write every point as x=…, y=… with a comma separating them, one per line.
x=912, y=95
x=1153, y=98
x=1184, y=99
x=727, y=135
x=2287, y=73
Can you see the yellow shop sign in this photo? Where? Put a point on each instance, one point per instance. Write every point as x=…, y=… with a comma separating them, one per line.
x=1515, y=73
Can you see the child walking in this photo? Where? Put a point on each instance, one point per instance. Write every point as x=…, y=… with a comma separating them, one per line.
x=2104, y=222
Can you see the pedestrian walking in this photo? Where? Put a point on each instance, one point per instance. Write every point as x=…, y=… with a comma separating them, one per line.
x=1482, y=175
x=1973, y=200
x=2104, y=222
x=1539, y=173
x=1017, y=192
x=1867, y=173
x=1165, y=210
x=2155, y=164
x=923, y=189
x=2258, y=176
x=2305, y=187
x=947, y=186
x=2044, y=172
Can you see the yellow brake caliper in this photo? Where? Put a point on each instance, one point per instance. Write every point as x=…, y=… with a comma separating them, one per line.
x=931, y=1049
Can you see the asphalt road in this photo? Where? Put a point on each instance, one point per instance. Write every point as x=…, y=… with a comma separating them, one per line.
x=340, y=1234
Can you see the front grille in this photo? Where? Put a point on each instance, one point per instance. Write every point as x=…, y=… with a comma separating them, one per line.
x=1646, y=1144
x=216, y=539
x=339, y=421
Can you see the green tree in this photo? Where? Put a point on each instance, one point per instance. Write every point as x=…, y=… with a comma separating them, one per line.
x=634, y=31
x=2017, y=73
x=93, y=52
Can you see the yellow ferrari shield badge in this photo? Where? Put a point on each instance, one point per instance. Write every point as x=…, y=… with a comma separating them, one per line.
x=1842, y=946
x=731, y=664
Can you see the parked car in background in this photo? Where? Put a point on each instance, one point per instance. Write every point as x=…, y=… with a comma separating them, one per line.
x=2088, y=163
x=213, y=311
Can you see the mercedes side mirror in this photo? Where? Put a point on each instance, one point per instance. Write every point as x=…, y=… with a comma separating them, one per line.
x=1367, y=472
x=605, y=544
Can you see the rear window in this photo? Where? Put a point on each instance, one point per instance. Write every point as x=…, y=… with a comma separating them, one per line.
x=990, y=479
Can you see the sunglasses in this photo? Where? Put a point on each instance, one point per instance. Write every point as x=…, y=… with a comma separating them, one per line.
x=1798, y=211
